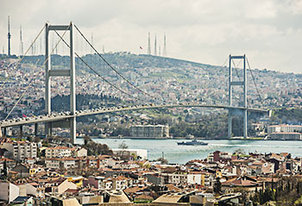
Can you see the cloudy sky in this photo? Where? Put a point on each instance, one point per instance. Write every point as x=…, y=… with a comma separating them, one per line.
x=269, y=32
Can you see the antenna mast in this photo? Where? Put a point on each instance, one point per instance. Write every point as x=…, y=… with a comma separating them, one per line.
x=21, y=41
x=9, y=36
x=155, y=47
x=149, y=44
x=165, y=46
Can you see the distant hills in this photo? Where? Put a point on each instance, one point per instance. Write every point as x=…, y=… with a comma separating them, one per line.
x=186, y=79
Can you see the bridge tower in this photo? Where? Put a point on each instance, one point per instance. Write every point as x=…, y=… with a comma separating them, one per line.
x=242, y=83
x=60, y=72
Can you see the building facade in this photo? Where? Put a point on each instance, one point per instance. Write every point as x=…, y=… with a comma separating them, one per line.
x=59, y=151
x=21, y=149
x=150, y=131
x=284, y=128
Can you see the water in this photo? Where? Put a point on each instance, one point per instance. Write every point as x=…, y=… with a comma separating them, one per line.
x=181, y=154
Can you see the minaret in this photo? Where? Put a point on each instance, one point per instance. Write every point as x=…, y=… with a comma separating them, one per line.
x=9, y=36
x=165, y=46
x=149, y=44
x=155, y=47
x=21, y=42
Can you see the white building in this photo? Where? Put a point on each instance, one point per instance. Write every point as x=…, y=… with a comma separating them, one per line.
x=284, y=128
x=59, y=151
x=150, y=131
x=9, y=192
x=194, y=178
x=286, y=135
x=57, y=163
x=285, y=132
x=21, y=149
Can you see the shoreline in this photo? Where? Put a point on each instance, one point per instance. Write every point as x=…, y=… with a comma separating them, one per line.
x=198, y=138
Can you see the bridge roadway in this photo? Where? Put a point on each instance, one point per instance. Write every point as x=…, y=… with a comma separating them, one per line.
x=66, y=115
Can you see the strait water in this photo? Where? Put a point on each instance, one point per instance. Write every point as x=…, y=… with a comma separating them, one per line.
x=181, y=154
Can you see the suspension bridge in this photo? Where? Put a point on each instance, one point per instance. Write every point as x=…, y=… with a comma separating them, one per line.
x=68, y=118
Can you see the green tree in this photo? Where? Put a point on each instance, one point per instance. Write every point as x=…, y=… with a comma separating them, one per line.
x=217, y=186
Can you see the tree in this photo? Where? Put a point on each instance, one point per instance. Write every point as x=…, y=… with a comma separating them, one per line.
x=217, y=186
x=123, y=146
x=162, y=160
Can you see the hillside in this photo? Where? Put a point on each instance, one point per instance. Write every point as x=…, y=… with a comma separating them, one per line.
x=179, y=80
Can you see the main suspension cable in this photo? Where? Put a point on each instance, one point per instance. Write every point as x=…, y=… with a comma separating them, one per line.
x=117, y=72
x=253, y=78
x=99, y=75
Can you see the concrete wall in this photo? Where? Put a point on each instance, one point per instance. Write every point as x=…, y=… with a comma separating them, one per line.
x=8, y=192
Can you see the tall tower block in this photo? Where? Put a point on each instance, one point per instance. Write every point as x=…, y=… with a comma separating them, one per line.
x=8, y=36
x=21, y=42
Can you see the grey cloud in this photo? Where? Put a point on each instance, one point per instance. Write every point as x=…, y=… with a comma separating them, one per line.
x=200, y=30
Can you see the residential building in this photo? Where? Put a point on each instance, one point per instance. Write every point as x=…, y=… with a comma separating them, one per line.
x=21, y=149
x=59, y=151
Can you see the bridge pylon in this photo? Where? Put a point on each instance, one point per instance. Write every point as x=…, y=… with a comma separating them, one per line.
x=60, y=72
x=241, y=83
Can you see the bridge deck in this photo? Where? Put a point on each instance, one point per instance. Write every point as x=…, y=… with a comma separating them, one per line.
x=66, y=115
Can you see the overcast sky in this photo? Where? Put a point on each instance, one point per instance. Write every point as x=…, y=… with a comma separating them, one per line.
x=206, y=31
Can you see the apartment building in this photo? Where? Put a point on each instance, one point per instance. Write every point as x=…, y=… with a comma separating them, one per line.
x=59, y=151
x=21, y=149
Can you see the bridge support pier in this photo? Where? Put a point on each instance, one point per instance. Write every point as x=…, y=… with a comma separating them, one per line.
x=245, y=123
x=49, y=72
x=36, y=129
x=230, y=126
x=4, y=132
x=48, y=129
x=21, y=131
x=73, y=131
x=241, y=82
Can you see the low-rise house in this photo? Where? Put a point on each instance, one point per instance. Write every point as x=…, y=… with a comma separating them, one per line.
x=177, y=178
x=116, y=197
x=23, y=200
x=200, y=178
x=155, y=179
x=59, y=186
x=9, y=163
x=80, y=152
x=121, y=183
x=27, y=190
x=21, y=170
x=246, y=183
x=61, y=163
